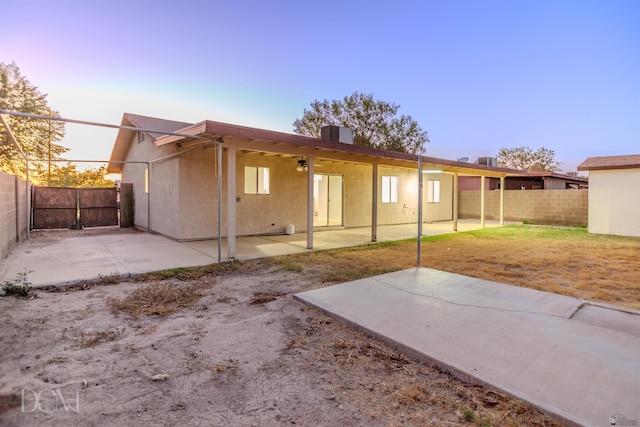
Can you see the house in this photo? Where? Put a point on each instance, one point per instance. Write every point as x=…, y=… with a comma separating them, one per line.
x=223, y=180
x=614, y=198
x=530, y=181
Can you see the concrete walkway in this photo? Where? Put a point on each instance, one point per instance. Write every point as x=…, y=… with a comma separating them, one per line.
x=63, y=257
x=576, y=360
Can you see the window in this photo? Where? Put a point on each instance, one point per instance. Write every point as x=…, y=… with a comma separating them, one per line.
x=389, y=189
x=146, y=181
x=256, y=180
x=433, y=191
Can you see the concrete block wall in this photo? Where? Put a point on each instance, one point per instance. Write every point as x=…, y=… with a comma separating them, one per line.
x=13, y=212
x=550, y=207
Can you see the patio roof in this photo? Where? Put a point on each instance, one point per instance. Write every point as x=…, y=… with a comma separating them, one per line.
x=283, y=144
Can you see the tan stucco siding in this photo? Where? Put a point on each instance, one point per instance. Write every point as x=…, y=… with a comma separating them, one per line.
x=406, y=209
x=184, y=193
x=357, y=193
x=164, y=197
x=255, y=213
x=198, y=195
x=285, y=204
x=614, y=202
x=443, y=210
x=162, y=186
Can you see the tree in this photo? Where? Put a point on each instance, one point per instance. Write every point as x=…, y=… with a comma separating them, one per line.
x=374, y=123
x=38, y=138
x=524, y=158
x=69, y=176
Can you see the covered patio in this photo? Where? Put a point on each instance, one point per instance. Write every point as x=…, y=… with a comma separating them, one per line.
x=253, y=247
x=212, y=179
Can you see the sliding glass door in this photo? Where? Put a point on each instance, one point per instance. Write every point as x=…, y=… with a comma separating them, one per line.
x=327, y=200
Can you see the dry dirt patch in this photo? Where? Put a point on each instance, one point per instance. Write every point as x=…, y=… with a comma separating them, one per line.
x=243, y=352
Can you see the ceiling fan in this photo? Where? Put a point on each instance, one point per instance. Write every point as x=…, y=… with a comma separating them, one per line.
x=303, y=165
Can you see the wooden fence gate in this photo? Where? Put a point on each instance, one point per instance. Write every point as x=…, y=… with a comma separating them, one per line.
x=53, y=207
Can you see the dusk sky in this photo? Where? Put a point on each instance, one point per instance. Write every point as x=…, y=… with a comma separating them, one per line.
x=478, y=75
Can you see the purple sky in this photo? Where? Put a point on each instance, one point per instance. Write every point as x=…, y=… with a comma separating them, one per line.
x=477, y=75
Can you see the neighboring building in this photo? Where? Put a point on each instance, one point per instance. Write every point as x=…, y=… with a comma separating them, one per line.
x=274, y=182
x=530, y=181
x=614, y=194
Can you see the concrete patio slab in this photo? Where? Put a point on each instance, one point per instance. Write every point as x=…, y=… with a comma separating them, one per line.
x=68, y=260
x=575, y=360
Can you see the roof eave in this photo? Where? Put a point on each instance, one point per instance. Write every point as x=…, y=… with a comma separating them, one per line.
x=212, y=129
x=607, y=168
x=242, y=132
x=630, y=161
x=120, y=147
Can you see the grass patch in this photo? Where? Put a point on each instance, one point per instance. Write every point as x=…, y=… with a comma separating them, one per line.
x=468, y=415
x=292, y=267
x=161, y=299
x=569, y=261
x=20, y=286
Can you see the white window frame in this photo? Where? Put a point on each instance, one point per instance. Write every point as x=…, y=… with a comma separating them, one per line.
x=433, y=191
x=261, y=183
x=389, y=189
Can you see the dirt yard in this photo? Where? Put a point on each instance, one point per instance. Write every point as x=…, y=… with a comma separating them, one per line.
x=239, y=350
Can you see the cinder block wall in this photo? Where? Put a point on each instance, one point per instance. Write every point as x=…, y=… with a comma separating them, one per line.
x=13, y=219
x=551, y=207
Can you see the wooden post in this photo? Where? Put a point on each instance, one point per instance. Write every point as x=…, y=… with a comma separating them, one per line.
x=127, y=208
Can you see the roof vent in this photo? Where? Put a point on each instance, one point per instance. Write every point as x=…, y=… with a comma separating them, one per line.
x=337, y=133
x=141, y=137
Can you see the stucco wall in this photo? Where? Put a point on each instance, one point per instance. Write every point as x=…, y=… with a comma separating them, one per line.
x=13, y=214
x=442, y=211
x=285, y=204
x=164, y=181
x=196, y=195
x=287, y=201
x=255, y=213
x=553, y=207
x=163, y=186
x=614, y=202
